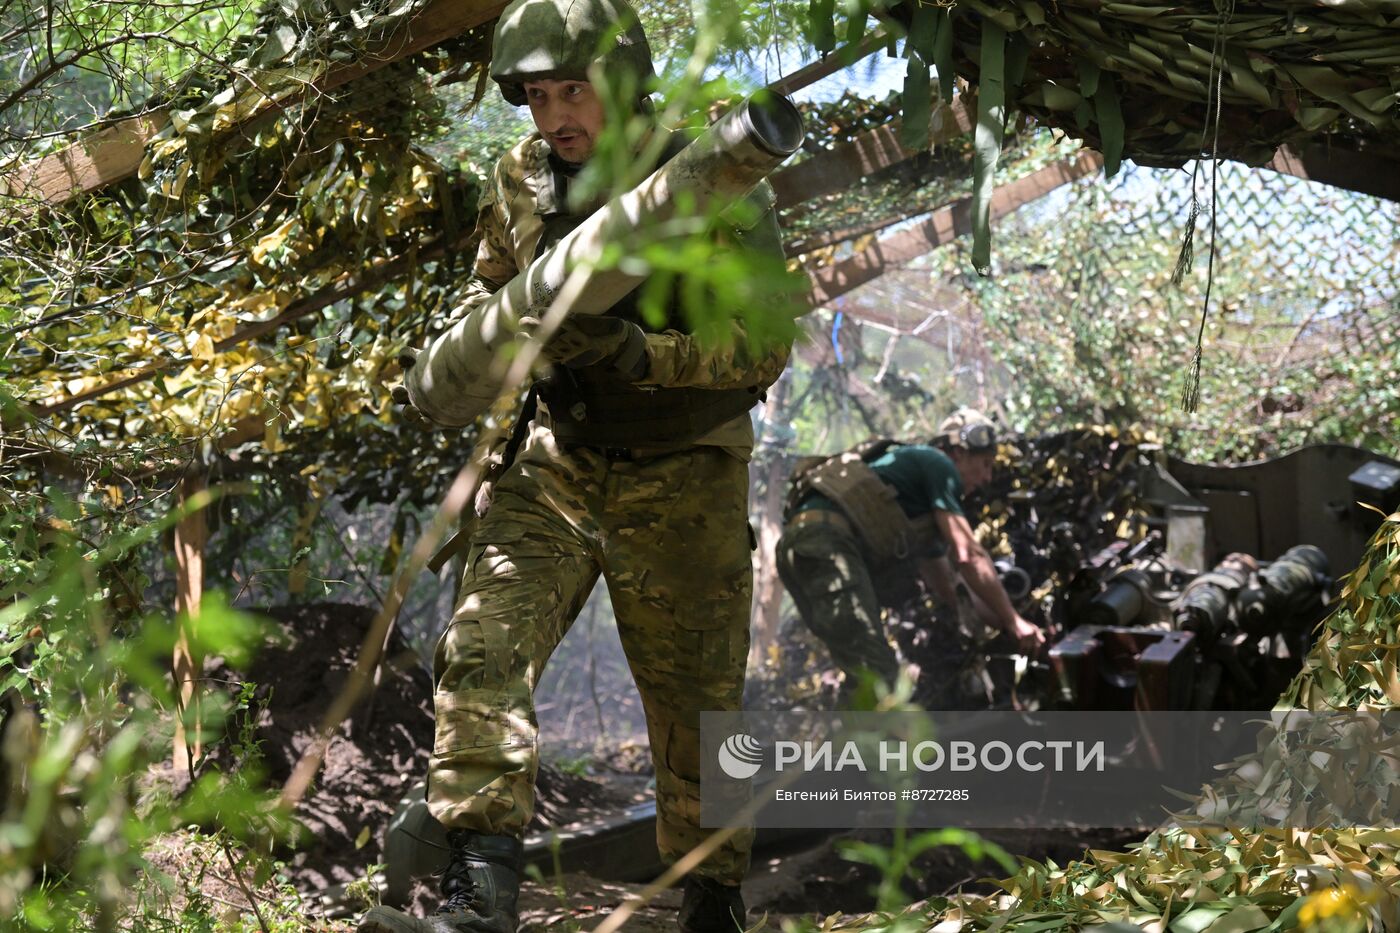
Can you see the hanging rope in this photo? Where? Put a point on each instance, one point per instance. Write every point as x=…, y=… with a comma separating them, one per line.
x=1225, y=9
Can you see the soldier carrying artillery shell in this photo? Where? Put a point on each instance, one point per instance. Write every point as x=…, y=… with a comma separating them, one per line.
x=633, y=468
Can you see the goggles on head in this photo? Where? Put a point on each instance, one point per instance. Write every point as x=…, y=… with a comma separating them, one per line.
x=977, y=437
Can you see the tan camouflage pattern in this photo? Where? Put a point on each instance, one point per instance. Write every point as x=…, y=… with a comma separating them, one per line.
x=509, y=226
x=824, y=569
x=669, y=537
x=666, y=531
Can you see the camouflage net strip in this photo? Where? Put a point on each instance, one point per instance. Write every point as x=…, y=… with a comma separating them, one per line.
x=1134, y=77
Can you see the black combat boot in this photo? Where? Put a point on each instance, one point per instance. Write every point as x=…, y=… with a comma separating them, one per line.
x=711, y=907
x=480, y=887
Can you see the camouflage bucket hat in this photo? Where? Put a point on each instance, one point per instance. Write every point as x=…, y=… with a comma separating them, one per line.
x=560, y=39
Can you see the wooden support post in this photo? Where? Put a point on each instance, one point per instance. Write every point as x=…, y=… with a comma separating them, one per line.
x=191, y=535
x=868, y=153
x=302, y=539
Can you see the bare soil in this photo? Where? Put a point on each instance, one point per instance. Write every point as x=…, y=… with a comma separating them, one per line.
x=380, y=753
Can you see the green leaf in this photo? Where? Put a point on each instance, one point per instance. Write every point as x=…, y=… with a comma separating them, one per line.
x=1083, y=113
x=277, y=47
x=1289, y=918
x=821, y=24
x=858, y=15
x=1018, y=53
x=1242, y=919
x=1088, y=78
x=923, y=31
x=1197, y=919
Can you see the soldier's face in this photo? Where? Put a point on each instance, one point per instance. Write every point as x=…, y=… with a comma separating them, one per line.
x=975, y=469
x=568, y=115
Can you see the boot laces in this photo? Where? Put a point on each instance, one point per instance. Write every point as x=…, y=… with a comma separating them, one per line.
x=461, y=888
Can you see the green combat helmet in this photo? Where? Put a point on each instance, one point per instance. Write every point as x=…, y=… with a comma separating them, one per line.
x=559, y=39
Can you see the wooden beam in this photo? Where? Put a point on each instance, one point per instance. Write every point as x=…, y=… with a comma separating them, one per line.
x=116, y=152
x=1362, y=172
x=825, y=67
x=110, y=154
x=941, y=227
x=868, y=153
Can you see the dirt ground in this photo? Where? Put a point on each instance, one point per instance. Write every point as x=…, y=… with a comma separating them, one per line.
x=381, y=752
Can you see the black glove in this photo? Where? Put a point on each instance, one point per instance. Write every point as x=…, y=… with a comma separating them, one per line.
x=599, y=340
x=399, y=393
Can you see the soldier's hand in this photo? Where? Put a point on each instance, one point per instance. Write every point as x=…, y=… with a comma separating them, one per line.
x=1027, y=635
x=399, y=393
x=599, y=340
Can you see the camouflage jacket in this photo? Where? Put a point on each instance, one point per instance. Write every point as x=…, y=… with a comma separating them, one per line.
x=510, y=225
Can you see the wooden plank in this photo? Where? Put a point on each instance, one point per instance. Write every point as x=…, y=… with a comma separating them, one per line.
x=868, y=153
x=111, y=154
x=843, y=57
x=941, y=227
x=116, y=152
x=1362, y=172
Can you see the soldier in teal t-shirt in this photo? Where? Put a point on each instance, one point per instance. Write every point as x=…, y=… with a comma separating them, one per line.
x=834, y=555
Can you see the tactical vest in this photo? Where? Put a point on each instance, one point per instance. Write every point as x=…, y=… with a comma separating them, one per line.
x=890, y=537
x=595, y=405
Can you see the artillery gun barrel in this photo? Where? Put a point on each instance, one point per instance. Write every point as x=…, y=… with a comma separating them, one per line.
x=1206, y=605
x=1122, y=601
x=1287, y=588
x=452, y=382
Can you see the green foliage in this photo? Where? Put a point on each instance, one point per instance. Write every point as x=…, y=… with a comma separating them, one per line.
x=896, y=862
x=328, y=218
x=70, y=61
x=255, y=286
x=180, y=897
x=90, y=709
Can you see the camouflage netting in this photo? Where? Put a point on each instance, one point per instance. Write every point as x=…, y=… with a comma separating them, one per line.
x=1161, y=85
x=261, y=269
x=1082, y=323
x=1197, y=880
x=1131, y=78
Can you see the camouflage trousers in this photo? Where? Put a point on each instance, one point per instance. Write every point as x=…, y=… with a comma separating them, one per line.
x=824, y=569
x=669, y=536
